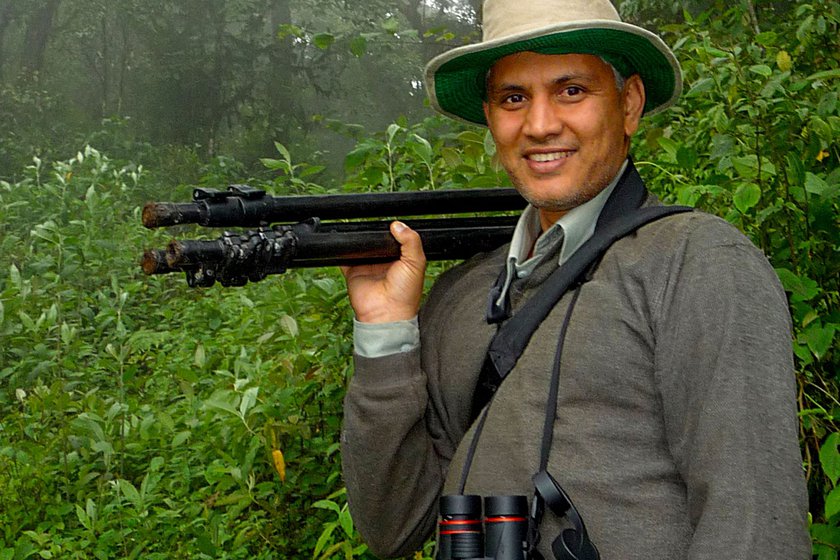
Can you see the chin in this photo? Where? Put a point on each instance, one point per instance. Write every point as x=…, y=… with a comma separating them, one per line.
x=554, y=199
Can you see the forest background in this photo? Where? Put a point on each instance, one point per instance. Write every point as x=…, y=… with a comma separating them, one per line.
x=140, y=418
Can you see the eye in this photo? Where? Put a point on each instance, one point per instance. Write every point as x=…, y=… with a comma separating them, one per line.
x=573, y=91
x=513, y=99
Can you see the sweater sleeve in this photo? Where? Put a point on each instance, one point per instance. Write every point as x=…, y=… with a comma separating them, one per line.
x=391, y=468
x=726, y=377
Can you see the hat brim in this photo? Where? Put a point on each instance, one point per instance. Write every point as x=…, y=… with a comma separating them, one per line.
x=455, y=80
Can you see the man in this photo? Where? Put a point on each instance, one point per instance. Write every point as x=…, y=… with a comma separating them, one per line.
x=675, y=429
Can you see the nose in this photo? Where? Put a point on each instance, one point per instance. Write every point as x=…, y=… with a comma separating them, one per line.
x=542, y=121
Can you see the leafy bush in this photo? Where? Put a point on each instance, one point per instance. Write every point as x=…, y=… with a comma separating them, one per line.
x=141, y=419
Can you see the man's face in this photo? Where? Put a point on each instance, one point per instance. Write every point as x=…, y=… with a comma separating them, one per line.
x=562, y=128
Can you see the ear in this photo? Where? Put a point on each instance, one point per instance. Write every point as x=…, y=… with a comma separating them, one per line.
x=486, y=107
x=634, y=103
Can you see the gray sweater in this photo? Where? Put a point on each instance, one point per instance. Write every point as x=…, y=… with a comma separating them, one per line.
x=676, y=431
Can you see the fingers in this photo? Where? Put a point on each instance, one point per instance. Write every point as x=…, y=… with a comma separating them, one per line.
x=390, y=291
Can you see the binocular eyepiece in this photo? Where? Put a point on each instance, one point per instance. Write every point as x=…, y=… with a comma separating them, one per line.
x=500, y=533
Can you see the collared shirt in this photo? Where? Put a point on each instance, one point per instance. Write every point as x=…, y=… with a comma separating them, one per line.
x=573, y=229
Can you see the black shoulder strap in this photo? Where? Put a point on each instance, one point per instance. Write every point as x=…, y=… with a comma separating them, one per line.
x=621, y=216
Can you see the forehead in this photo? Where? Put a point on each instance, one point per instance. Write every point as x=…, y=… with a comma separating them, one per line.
x=535, y=67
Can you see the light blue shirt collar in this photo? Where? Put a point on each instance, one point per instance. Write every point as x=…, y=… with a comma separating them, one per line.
x=572, y=230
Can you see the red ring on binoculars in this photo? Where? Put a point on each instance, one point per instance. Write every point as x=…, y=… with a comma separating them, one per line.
x=505, y=519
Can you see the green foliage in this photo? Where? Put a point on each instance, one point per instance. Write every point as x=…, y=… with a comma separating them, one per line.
x=139, y=418
x=433, y=154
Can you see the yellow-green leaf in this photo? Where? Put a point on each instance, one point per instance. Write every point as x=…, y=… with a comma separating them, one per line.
x=747, y=196
x=783, y=61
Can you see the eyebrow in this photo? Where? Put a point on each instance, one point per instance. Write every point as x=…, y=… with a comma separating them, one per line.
x=560, y=80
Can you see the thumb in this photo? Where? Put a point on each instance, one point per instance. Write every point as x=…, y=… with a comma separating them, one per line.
x=411, y=246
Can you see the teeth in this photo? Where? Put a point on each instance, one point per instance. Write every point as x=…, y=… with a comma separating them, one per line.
x=549, y=156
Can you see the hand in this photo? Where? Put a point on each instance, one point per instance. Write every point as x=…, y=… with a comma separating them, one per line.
x=387, y=292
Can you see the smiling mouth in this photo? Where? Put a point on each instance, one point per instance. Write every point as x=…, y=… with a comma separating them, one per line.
x=549, y=156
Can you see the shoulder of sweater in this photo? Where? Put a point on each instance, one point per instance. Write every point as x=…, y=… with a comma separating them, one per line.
x=666, y=246
x=698, y=229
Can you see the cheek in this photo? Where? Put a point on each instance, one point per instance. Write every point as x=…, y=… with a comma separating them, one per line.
x=504, y=127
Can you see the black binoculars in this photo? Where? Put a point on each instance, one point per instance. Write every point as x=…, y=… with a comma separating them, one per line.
x=500, y=532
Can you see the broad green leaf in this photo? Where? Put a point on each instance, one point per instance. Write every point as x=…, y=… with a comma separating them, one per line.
x=346, y=521
x=830, y=458
x=825, y=74
x=815, y=184
x=801, y=286
x=274, y=164
x=762, y=70
x=199, y=359
x=289, y=324
x=422, y=148
x=489, y=144
x=205, y=545
x=832, y=503
x=180, y=438
x=324, y=539
x=323, y=40
x=327, y=504
x=222, y=400
x=265, y=337
x=358, y=46
x=393, y=128
x=783, y=61
x=391, y=25
x=355, y=158
x=804, y=28
x=748, y=167
x=249, y=399
x=14, y=276
x=87, y=424
x=287, y=29
x=23, y=549
x=747, y=196
x=819, y=338
x=828, y=534
x=686, y=157
x=714, y=51
x=722, y=145
x=669, y=146
x=130, y=492
x=311, y=170
x=701, y=86
x=83, y=518
x=767, y=38
x=283, y=151
x=821, y=128
x=90, y=509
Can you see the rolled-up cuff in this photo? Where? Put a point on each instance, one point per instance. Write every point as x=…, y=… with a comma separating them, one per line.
x=375, y=340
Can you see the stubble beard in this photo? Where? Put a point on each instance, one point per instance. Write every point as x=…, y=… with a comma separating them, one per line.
x=576, y=196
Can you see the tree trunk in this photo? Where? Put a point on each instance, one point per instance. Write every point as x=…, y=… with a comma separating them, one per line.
x=282, y=107
x=6, y=15
x=105, y=60
x=38, y=31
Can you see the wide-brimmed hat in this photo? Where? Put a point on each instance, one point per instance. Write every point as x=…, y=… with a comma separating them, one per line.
x=455, y=80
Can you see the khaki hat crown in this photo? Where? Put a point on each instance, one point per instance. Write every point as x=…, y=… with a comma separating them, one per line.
x=503, y=18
